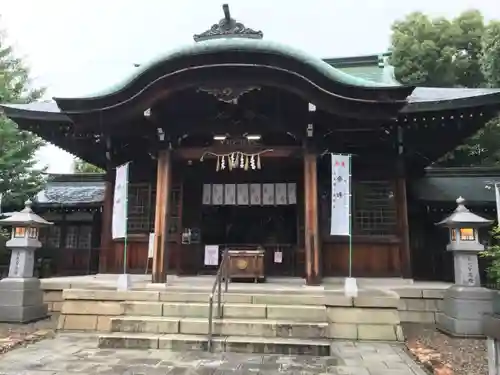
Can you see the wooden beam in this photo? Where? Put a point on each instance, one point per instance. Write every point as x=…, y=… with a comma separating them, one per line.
x=161, y=211
x=193, y=153
x=311, y=219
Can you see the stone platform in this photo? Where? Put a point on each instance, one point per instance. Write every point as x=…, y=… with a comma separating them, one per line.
x=272, y=321
x=281, y=315
x=419, y=302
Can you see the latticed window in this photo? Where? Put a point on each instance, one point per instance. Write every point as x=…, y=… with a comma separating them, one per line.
x=71, y=241
x=374, y=208
x=51, y=236
x=85, y=237
x=140, y=199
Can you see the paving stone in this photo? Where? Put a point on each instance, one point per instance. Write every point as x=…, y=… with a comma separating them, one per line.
x=405, y=371
x=139, y=361
x=77, y=355
x=348, y=370
x=374, y=357
x=28, y=372
x=396, y=365
x=369, y=364
x=222, y=372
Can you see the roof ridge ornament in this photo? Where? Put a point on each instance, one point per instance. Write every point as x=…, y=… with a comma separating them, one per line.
x=461, y=205
x=228, y=27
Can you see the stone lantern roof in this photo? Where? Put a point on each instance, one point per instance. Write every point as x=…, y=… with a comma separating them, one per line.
x=463, y=217
x=26, y=217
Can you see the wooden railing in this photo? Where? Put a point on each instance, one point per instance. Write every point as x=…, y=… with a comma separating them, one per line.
x=222, y=274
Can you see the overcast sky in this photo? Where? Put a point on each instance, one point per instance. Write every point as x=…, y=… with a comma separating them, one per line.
x=80, y=46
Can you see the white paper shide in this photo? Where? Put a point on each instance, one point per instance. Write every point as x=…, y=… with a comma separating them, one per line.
x=119, y=224
x=341, y=196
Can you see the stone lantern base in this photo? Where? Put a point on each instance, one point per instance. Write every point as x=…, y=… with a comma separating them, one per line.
x=463, y=310
x=21, y=300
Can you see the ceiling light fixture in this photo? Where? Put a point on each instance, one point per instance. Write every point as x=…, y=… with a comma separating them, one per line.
x=254, y=137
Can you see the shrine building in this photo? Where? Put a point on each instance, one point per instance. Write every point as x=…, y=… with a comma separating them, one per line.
x=229, y=141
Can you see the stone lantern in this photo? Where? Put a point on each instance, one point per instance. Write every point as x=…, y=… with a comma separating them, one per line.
x=465, y=302
x=21, y=299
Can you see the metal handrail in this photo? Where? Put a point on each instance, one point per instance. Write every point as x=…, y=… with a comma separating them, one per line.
x=222, y=272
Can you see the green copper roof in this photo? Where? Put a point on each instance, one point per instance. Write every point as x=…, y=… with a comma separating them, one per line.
x=373, y=68
x=380, y=75
x=247, y=45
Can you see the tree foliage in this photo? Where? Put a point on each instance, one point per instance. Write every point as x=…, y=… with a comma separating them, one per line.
x=438, y=52
x=18, y=178
x=462, y=52
x=490, y=56
x=493, y=254
x=80, y=166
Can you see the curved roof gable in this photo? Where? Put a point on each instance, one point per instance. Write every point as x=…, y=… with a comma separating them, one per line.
x=242, y=45
x=239, y=54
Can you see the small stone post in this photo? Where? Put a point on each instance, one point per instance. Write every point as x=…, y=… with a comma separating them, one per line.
x=465, y=302
x=21, y=299
x=491, y=329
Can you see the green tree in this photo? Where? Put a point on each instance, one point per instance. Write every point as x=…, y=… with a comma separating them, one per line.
x=80, y=166
x=19, y=179
x=490, y=56
x=493, y=255
x=452, y=53
x=438, y=52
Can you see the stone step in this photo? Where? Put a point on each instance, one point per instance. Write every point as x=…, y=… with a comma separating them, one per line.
x=244, y=298
x=308, y=313
x=236, y=344
x=296, y=313
x=240, y=288
x=225, y=327
x=259, y=298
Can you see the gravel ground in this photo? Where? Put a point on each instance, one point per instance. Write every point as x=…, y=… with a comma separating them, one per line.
x=9, y=329
x=463, y=356
x=15, y=335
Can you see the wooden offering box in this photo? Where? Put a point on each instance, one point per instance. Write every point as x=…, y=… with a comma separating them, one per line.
x=246, y=264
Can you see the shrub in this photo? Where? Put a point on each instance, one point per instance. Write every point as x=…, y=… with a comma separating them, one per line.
x=492, y=253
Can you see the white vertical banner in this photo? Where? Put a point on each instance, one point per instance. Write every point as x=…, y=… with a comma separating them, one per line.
x=151, y=245
x=119, y=224
x=341, y=196
x=497, y=200
x=292, y=193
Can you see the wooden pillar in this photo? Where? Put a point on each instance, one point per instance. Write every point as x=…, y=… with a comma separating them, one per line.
x=106, y=255
x=95, y=244
x=163, y=188
x=402, y=209
x=311, y=233
x=403, y=227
